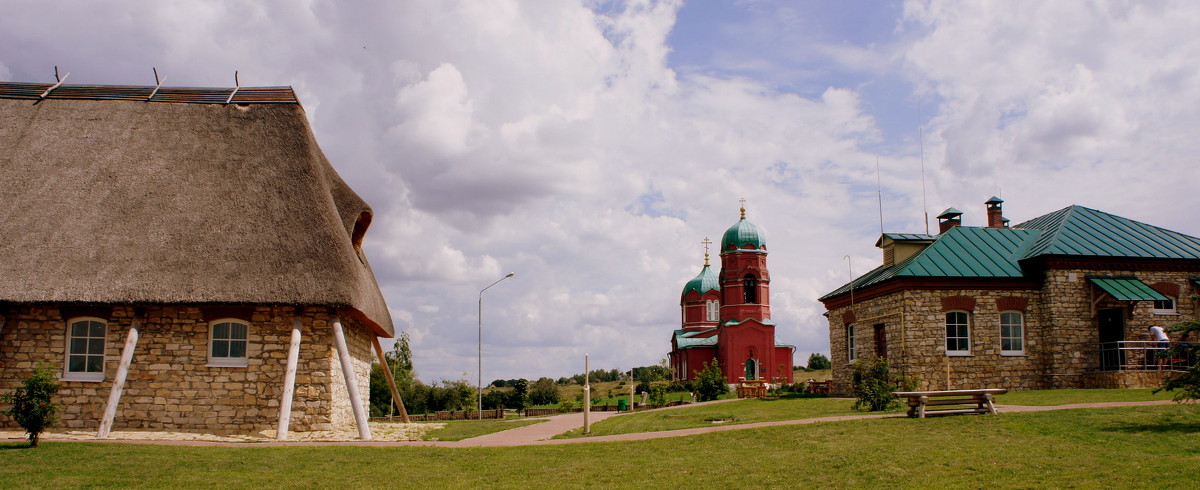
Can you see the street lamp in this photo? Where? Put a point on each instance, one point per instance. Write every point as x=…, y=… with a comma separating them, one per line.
x=479, y=372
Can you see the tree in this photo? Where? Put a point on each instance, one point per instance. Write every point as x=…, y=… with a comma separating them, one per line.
x=520, y=394
x=33, y=407
x=543, y=392
x=819, y=361
x=399, y=361
x=1188, y=382
x=710, y=382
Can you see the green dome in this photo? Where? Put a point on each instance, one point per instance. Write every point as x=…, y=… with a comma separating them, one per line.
x=741, y=233
x=703, y=283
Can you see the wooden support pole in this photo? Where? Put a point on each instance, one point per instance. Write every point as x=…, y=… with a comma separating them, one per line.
x=289, y=381
x=118, y=386
x=360, y=414
x=391, y=380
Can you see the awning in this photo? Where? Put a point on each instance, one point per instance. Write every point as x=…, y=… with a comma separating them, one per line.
x=1126, y=288
x=1196, y=281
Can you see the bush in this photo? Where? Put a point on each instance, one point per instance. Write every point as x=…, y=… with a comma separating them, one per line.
x=873, y=384
x=1188, y=382
x=32, y=405
x=658, y=394
x=710, y=382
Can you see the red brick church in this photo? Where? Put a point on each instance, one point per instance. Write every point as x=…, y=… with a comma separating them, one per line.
x=727, y=315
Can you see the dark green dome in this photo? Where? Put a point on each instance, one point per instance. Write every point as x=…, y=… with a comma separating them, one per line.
x=703, y=283
x=742, y=233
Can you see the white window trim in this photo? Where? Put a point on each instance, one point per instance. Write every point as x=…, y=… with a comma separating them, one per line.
x=83, y=377
x=711, y=311
x=227, y=361
x=957, y=353
x=1012, y=352
x=1172, y=311
x=851, y=345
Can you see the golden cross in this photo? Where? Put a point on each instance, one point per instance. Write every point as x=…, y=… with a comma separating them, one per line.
x=706, y=242
x=743, y=201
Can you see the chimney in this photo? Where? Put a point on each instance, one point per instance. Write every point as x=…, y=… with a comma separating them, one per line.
x=994, y=214
x=949, y=219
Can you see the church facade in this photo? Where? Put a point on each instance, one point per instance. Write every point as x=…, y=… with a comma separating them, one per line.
x=726, y=315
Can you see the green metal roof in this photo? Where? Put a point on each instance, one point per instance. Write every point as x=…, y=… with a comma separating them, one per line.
x=742, y=233
x=689, y=338
x=1080, y=231
x=1126, y=288
x=970, y=252
x=950, y=213
x=706, y=281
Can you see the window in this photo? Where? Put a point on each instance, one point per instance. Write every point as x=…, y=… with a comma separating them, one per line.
x=1164, y=307
x=750, y=289
x=85, y=349
x=958, y=333
x=227, y=343
x=713, y=310
x=850, y=347
x=1012, y=333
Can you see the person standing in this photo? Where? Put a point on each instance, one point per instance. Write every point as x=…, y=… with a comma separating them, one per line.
x=1157, y=334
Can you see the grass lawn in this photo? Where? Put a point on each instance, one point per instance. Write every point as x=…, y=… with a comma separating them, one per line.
x=737, y=412
x=1156, y=446
x=1068, y=397
x=457, y=430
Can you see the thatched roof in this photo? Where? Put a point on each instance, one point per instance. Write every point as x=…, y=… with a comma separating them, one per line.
x=117, y=201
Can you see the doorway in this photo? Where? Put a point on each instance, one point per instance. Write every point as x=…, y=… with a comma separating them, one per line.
x=880, y=341
x=1111, y=326
x=751, y=369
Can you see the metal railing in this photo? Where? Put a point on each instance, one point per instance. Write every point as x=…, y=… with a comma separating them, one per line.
x=1144, y=355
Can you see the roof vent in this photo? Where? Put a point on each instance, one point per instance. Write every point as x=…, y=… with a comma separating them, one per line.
x=994, y=214
x=949, y=219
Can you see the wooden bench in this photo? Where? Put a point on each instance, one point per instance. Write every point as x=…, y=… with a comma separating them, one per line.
x=920, y=403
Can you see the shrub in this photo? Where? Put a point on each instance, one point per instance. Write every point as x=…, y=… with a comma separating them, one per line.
x=32, y=405
x=1188, y=382
x=658, y=394
x=710, y=382
x=873, y=384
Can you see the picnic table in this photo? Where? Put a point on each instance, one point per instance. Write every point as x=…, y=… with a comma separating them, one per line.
x=920, y=403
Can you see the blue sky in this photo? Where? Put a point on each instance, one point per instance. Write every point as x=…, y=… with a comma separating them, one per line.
x=590, y=146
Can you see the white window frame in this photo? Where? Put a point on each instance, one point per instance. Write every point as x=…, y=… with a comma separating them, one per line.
x=967, y=324
x=1170, y=310
x=851, y=346
x=228, y=361
x=712, y=310
x=85, y=376
x=1020, y=337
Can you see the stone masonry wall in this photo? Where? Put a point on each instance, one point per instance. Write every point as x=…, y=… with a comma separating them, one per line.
x=170, y=385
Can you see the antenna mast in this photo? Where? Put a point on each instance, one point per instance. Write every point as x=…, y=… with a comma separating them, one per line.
x=879, y=193
x=921, y=140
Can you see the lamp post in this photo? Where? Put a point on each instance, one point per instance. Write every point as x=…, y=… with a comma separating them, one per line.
x=479, y=371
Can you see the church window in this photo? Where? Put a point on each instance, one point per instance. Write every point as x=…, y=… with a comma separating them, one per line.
x=750, y=289
x=1012, y=333
x=227, y=343
x=85, y=349
x=958, y=333
x=713, y=310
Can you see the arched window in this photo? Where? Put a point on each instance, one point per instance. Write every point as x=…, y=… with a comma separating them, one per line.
x=751, y=369
x=750, y=289
x=227, y=339
x=85, y=349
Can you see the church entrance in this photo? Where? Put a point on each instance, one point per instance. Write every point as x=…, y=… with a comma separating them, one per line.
x=751, y=369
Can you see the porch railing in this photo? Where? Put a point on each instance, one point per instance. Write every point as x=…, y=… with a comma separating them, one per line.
x=1143, y=355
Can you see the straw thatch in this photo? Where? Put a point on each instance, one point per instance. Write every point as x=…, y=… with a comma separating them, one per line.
x=113, y=201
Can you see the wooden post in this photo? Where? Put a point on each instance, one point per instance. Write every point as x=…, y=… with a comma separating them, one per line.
x=587, y=397
x=118, y=386
x=360, y=415
x=289, y=381
x=391, y=380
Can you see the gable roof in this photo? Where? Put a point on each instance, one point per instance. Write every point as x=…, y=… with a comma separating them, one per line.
x=116, y=201
x=996, y=253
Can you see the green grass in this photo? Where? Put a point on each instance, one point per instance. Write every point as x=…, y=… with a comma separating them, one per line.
x=737, y=412
x=1155, y=446
x=457, y=430
x=1068, y=397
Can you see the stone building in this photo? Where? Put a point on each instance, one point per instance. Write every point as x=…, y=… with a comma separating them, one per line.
x=187, y=258
x=1061, y=301
x=726, y=316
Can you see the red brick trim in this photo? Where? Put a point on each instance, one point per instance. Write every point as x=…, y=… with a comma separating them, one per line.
x=848, y=317
x=958, y=303
x=1012, y=303
x=1166, y=288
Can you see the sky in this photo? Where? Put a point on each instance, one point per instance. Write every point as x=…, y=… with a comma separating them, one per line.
x=589, y=146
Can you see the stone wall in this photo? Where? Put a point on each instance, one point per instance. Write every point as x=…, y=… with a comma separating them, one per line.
x=1061, y=333
x=170, y=385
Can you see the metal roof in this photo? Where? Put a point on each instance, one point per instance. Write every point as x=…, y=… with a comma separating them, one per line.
x=688, y=338
x=1126, y=288
x=1076, y=230
x=742, y=233
x=704, y=282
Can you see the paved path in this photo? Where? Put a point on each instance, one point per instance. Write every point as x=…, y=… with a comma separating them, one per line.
x=542, y=432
